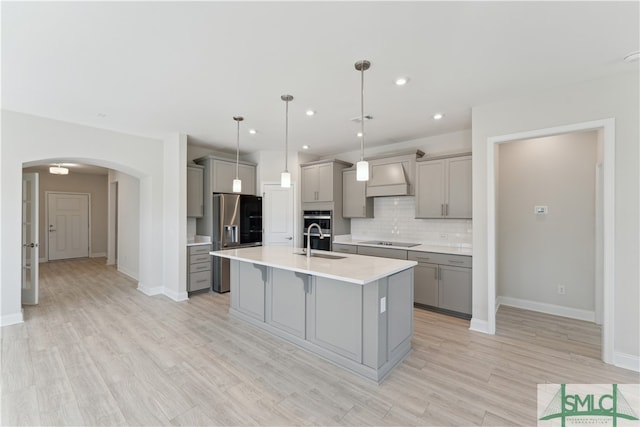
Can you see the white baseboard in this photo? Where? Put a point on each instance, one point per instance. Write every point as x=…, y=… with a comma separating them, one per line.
x=43, y=259
x=150, y=291
x=131, y=274
x=557, y=310
x=98, y=255
x=626, y=361
x=110, y=261
x=11, y=319
x=176, y=296
x=479, y=325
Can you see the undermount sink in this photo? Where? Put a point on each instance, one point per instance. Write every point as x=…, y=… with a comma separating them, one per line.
x=325, y=256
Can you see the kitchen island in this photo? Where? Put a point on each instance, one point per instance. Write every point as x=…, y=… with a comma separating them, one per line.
x=355, y=311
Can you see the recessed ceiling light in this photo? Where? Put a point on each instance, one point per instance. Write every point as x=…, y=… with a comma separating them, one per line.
x=310, y=113
x=401, y=81
x=632, y=57
x=305, y=147
x=253, y=131
x=438, y=116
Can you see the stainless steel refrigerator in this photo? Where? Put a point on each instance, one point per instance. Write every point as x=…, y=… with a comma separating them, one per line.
x=237, y=222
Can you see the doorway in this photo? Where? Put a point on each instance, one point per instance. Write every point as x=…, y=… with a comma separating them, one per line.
x=68, y=225
x=606, y=129
x=278, y=215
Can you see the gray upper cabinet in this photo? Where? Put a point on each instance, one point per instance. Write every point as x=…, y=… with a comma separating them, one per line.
x=195, y=191
x=355, y=203
x=444, y=188
x=322, y=182
x=224, y=173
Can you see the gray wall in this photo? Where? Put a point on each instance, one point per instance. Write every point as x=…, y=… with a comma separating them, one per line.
x=536, y=253
x=96, y=185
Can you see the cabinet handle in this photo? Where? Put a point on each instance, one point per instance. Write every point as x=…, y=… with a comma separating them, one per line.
x=453, y=261
x=423, y=258
x=441, y=209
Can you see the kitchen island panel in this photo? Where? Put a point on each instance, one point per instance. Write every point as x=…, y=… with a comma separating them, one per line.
x=248, y=284
x=335, y=317
x=286, y=295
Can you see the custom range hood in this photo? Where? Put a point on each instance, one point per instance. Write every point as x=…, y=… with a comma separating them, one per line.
x=393, y=175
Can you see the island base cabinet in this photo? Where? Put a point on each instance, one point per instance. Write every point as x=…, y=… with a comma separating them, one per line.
x=334, y=312
x=364, y=328
x=285, y=305
x=248, y=285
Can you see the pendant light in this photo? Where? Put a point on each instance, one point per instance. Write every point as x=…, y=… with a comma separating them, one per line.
x=58, y=170
x=237, y=184
x=285, y=177
x=362, y=167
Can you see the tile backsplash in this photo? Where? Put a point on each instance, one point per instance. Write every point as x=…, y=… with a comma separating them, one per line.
x=394, y=220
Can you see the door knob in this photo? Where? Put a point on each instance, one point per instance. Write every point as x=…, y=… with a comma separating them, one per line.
x=289, y=238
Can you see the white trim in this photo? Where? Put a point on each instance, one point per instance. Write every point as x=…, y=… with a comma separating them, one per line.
x=176, y=296
x=479, y=325
x=150, y=291
x=98, y=255
x=608, y=127
x=626, y=361
x=543, y=307
x=12, y=319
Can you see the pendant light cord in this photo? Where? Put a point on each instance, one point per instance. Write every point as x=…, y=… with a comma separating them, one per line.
x=362, y=112
x=237, y=148
x=286, y=138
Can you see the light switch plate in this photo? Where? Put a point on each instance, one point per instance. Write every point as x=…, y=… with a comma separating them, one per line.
x=541, y=210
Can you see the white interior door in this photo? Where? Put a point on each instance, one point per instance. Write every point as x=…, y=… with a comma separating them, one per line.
x=277, y=215
x=30, y=244
x=68, y=225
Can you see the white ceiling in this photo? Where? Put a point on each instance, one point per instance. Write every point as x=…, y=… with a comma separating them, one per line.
x=151, y=68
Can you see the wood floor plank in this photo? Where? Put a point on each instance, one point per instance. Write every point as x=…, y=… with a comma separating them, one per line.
x=96, y=351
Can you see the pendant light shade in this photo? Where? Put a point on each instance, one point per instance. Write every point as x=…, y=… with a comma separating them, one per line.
x=362, y=167
x=58, y=170
x=285, y=176
x=237, y=183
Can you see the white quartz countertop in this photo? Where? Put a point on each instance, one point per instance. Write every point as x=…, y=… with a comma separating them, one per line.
x=451, y=250
x=358, y=269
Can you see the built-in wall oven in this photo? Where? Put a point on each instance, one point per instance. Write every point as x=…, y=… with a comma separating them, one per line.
x=324, y=220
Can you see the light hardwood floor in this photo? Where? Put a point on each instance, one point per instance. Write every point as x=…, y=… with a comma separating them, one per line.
x=96, y=351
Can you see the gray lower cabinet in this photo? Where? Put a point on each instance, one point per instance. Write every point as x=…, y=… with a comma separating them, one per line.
x=334, y=314
x=285, y=305
x=426, y=284
x=347, y=249
x=199, y=265
x=443, y=281
x=382, y=252
x=455, y=289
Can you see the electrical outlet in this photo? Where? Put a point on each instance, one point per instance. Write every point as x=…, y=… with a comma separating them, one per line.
x=383, y=304
x=561, y=290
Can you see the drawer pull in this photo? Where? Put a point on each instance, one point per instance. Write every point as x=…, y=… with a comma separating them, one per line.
x=453, y=261
x=202, y=281
x=424, y=258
